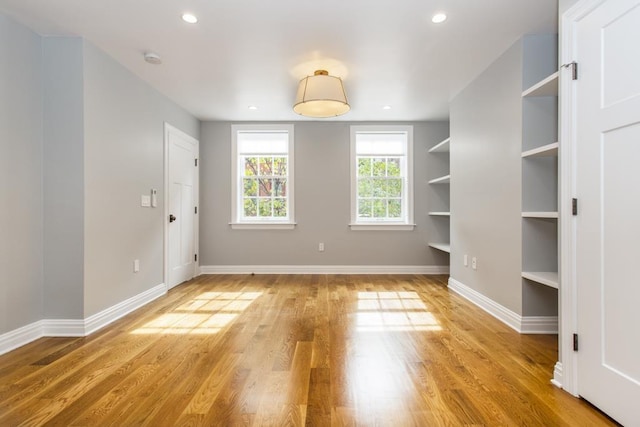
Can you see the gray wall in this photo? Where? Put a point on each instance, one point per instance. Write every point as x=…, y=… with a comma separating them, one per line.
x=63, y=178
x=322, y=203
x=21, y=255
x=486, y=124
x=123, y=151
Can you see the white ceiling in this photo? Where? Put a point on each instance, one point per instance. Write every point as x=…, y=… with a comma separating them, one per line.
x=254, y=52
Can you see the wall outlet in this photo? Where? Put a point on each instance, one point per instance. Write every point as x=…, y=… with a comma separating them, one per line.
x=136, y=265
x=474, y=263
x=321, y=247
x=466, y=260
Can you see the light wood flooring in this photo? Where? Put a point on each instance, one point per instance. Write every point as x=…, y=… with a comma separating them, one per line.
x=278, y=350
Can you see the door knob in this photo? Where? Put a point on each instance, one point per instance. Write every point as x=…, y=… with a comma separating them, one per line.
x=172, y=218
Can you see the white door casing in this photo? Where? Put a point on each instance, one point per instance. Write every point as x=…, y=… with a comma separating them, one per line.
x=181, y=219
x=601, y=131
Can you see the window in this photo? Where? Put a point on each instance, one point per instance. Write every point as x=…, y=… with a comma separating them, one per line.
x=381, y=178
x=262, y=174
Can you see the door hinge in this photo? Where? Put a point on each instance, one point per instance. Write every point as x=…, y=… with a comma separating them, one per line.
x=574, y=69
x=196, y=161
x=575, y=342
x=195, y=210
x=195, y=257
x=574, y=206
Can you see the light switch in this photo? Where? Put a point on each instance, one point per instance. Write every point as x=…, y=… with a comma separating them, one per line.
x=145, y=201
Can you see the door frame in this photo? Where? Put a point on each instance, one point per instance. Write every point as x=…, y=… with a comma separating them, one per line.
x=566, y=370
x=168, y=128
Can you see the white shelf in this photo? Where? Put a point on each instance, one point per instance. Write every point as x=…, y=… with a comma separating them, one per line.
x=539, y=214
x=444, y=247
x=440, y=213
x=441, y=147
x=546, y=87
x=547, y=278
x=549, y=150
x=442, y=180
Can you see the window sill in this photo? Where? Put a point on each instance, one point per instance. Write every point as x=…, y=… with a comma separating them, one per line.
x=262, y=225
x=381, y=227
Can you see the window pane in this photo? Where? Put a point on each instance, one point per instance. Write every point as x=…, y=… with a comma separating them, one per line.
x=365, y=187
x=364, y=166
x=279, y=187
x=364, y=208
x=250, y=186
x=280, y=208
x=265, y=207
x=250, y=166
x=379, y=208
x=393, y=166
x=379, y=166
x=266, y=166
x=265, y=187
x=250, y=207
x=280, y=166
x=395, y=208
x=379, y=187
x=394, y=187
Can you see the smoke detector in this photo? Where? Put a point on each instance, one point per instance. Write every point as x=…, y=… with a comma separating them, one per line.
x=152, y=58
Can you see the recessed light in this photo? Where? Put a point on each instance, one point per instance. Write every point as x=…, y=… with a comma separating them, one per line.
x=387, y=107
x=252, y=107
x=152, y=58
x=189, y=18
x=439, y=17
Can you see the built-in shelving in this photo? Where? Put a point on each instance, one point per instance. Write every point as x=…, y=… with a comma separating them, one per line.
x=440, y=213
x=441, y=147
x=545, y=87
x=444, y=247
x=441, y=180
x=547, y=278
x=538, y=214
x=549, y=150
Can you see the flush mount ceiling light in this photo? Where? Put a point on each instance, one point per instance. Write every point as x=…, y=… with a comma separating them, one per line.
x=321, y=96
x=189, y=18
x=439, y=17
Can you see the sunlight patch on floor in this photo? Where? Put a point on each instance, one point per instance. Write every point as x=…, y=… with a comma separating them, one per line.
x=393, y=311
x=208, y=313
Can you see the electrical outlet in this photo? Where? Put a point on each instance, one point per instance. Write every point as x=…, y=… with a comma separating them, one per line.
x=321, y=247
x=474, y=263
x=466, y=260
x=136, y=265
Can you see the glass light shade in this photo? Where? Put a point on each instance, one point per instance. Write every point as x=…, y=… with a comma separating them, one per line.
x=321, y=95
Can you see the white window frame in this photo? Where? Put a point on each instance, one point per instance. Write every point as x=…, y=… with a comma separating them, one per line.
x=407, y=223
x=237, y=222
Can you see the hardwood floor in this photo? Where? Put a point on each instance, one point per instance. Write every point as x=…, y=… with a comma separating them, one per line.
x=317, y=350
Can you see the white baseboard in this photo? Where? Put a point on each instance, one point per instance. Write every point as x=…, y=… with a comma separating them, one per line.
x=113, y=313
x=324, y=269
x=524, y=325
x=77, y=327
x=557, y=375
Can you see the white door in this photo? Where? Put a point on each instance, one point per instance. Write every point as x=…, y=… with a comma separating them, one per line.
x=182, y=202
x=608, y=221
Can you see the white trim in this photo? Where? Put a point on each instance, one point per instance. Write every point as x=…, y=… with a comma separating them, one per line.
x=263, y=226
x=381, y=226
x=567, y=143
x=168, y=128
x=557, y=375
x=21, y=336
x=523, y=325
x=77, y=327
x=113, y=313
x=324, y=269
x=407, y=200
x=235, y=179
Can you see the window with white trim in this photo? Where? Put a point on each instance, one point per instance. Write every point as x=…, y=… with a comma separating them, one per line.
x=382, y=178
x=262, y=175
